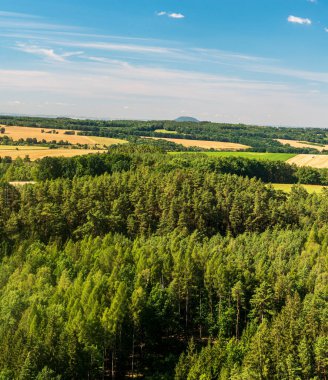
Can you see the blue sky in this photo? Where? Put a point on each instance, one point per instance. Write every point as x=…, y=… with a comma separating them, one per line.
x=250, y=61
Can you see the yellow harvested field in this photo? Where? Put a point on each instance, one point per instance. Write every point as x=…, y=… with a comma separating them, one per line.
x=21, y=183
x=288, y=187
x=313, y=160
x=17, y=133
x=21, y=147
x=217, y=145
x=302, y=144
x=35, y=154
x=106, y=140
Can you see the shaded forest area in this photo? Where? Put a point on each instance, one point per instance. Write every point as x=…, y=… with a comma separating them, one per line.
x=259, y=138
x=137, y=264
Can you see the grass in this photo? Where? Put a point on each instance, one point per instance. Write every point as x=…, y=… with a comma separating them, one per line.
x=286, y=187
x=166, y=131
x=252, y=155
x=107, y=140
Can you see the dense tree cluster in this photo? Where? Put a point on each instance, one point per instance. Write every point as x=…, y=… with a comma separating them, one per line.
x=138, y=264
x=133, y=156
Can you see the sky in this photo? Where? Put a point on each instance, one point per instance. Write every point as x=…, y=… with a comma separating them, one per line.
x=243, y=61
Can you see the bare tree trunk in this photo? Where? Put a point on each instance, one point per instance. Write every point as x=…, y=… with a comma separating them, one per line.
x=200, y=316
x=104, y=356
x=237, y=321
x=112, y=370
x=186, y=310
x=132, y=361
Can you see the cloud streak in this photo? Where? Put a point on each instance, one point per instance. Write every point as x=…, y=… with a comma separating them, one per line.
x=46, y=53
x=6, y=14
x=299, y=20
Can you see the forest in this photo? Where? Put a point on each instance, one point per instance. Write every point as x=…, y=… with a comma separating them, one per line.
x=139, y=264
x=259, y=138
x=133, y=156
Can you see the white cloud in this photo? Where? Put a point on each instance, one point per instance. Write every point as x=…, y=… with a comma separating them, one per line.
x=176, y=15
x=326, y=30
x=299, y=20
x=171, y=15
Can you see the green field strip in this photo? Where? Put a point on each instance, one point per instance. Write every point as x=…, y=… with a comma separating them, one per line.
x=250, y=155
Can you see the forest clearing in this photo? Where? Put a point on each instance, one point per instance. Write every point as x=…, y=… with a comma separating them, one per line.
x=166, y=131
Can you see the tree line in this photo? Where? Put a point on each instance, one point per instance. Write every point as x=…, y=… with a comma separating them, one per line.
x=131, y=157
x=259, y=138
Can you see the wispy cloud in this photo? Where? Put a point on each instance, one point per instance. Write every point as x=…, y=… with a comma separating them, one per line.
x=19, y=21
x=307, y=76
x=48, y=54
x=108, y=46
x=171, y=15
x=16, y=15
x=157, y=93
x=299, y=20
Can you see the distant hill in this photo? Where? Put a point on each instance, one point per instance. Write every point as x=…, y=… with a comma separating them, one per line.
x=187, y=118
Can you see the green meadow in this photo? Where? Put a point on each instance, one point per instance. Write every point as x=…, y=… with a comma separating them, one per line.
x=251, y=155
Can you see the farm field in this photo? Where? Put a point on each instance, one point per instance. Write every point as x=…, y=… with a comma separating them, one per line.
x=23, y=147
x=219, y=145
x=315, y=161
x=165, y=131
x=252, y=155
x=286, y=187
x=106, y=140
x=303, y=144
x=35, y=153
x=17, y=133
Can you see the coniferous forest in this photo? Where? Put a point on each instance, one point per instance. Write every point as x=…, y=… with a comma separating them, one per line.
x=138, y=264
